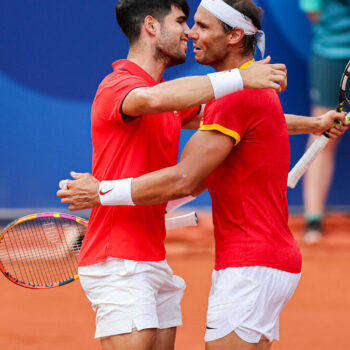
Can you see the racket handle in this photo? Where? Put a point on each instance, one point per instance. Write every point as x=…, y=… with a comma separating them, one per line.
x=176, y=203
x=189, y=219
x=304, y=162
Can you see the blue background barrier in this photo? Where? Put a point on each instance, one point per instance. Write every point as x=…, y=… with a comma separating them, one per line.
x=53, y=56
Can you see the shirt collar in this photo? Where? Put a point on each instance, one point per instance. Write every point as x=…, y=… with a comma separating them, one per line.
x=134, y=69
x=247, y=64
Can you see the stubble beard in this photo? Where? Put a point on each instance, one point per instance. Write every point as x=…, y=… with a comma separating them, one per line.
x=165, y=53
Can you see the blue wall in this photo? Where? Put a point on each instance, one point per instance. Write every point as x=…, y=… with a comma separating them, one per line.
x=52, y=57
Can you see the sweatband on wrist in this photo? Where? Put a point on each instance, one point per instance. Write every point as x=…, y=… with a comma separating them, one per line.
x=117, y=192
x=226, y=82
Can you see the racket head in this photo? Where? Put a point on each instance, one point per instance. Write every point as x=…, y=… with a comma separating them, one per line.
x=40, y=251
x=344, y=93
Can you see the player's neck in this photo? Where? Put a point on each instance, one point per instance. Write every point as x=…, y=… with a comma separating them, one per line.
x=233, y=61
x=147, y=62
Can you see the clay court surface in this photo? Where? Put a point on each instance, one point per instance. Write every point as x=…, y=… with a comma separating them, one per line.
x=317, y=318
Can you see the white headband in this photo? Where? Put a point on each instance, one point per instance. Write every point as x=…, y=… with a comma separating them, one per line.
x=234, y=19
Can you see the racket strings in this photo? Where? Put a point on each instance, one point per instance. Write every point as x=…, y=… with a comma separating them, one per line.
x=37, y=269
x=53, y=235
x=23, y=270
x=10, y=245
x=345, y=88
x=42, y=251
x=347, y=97
x=17, y=245
x=65, y=235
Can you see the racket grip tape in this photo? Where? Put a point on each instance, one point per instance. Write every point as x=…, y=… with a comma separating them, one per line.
x=190, y=219
x=304, y=162
x=176, y=203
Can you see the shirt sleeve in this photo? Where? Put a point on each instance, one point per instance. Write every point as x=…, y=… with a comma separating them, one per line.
x=112, y=93
x=189, y=114
x=227, y=116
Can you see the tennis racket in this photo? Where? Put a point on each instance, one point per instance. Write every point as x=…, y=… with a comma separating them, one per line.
x=41, y=251
x=320, y=143
x=190, y=219
x=176, y=203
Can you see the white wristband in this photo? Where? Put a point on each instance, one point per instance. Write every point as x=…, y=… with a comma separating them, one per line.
x=117, y=192
x=226, y=82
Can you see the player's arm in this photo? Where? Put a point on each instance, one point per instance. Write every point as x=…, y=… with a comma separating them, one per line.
x=202, y=154
x=318, y=125
x=187, y=92
x=194, y=123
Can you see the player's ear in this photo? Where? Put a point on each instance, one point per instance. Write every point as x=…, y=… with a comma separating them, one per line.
x=235, y=36
x=151, y=25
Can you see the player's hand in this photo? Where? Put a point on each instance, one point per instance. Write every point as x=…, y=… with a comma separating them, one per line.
x=327, y=124
x=81, y=193
x=262, y=75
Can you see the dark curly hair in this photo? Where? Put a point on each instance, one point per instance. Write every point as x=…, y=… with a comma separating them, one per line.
x=131, y=14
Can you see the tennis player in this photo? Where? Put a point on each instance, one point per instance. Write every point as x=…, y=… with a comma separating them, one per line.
x=242, y=153
x=330, y=47
x=135, y=127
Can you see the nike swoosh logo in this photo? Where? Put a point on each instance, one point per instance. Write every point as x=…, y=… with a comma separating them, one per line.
x=210, y=328
x=104, y=193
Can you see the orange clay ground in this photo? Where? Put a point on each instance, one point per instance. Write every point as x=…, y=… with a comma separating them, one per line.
x=317, y=317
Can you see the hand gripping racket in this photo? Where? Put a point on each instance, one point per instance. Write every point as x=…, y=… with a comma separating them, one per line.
x=320, y=143
x=41, y=251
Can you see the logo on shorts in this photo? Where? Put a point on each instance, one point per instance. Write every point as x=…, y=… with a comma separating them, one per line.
x=210, y=328
x=104, y=193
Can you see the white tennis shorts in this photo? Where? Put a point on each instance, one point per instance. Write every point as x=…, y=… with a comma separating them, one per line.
x=248, y=300
x=129, y=295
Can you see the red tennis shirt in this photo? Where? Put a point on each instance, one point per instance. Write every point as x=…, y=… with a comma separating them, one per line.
x=123, y=148
x=249, y=189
